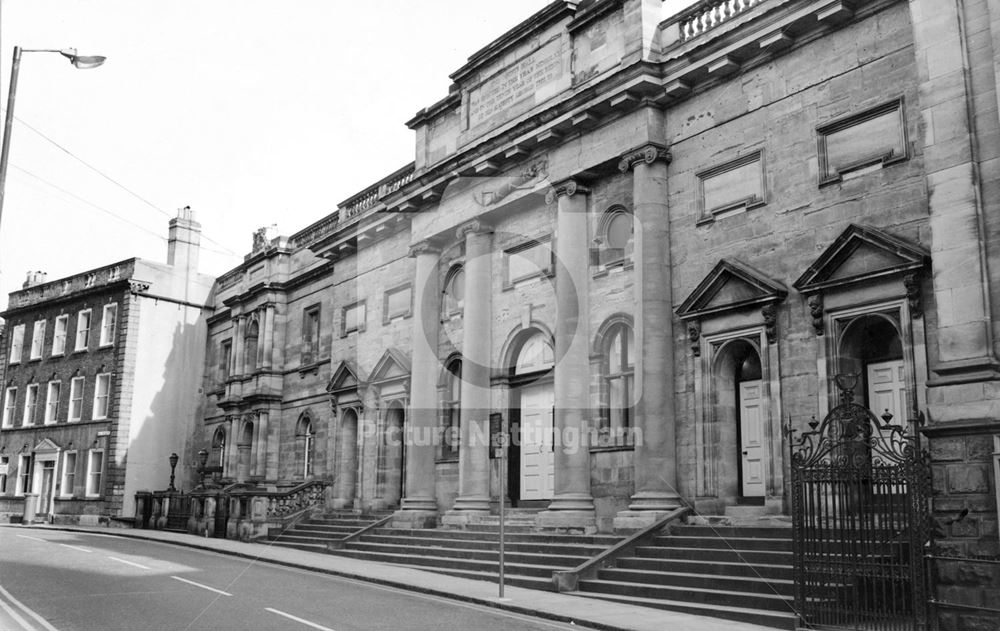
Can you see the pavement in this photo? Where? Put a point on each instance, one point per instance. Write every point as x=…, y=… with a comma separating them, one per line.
x=581, y=611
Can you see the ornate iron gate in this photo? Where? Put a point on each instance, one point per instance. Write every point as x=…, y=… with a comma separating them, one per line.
x=860, y=489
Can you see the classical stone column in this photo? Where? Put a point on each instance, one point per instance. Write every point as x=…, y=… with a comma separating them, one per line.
x=473, y=501
x=655, y=455
x=572, y=505
x=238, y=359
x=267, y=338
x=418, y=508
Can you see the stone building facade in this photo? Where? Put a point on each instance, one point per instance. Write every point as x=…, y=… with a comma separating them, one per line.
x=98, y=374
x=663, y=233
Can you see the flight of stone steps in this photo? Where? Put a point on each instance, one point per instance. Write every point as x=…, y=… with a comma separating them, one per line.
x=316, y=533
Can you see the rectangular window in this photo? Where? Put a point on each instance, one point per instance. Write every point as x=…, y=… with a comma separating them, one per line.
x=59, y=335
x=102, y=393
x=37, y=340
x=310, y=334
x=52, y=402
x=82, y=330
x=396, y=303
x=30, y=403
x=108, y=324
x=870, y=139
x=225, y=360
x=95, y=472
x=16, y=343
x=732, y=187
x=352, y=318
x=4, y=471
x=529, y=260
x=76, y=398
x=23, y=475
x=68, y=485
x=9, y=405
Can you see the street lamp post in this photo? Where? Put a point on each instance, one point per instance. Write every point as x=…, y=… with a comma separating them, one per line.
x=80, y=61
x=173, y=465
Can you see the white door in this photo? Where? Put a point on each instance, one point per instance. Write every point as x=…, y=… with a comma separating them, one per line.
x=46, y=488
x=537, y=459
x=752, y=437
x=887, y=390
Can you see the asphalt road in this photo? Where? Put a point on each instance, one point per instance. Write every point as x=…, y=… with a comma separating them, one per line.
x=77, y=581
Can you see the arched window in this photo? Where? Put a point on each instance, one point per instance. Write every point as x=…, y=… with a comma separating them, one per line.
x=306, y=439
x=253, y=331
x=454, y=291
x=536, y=354
x=451, y=407
x=219, y=447
x=615, y=237
x=619, y=377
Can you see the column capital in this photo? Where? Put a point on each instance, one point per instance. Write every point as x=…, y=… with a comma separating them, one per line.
x=566, y=188
x=423, y=247
x=473, y=227
x=646, y=154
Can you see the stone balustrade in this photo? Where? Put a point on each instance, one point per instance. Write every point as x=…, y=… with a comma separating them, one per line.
x=705, y=16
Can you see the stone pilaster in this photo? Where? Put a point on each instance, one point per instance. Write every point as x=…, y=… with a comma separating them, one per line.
x=572, y=505
x=267, y=338
x=473, y=501
x=655, y=457
x=419, y=508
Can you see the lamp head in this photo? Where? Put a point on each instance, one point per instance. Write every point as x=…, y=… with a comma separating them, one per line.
x=202, y=457
x=173, y=460
x=83, y=62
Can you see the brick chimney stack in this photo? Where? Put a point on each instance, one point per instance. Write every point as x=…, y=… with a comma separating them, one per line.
x=34, y=278
x=184, y=240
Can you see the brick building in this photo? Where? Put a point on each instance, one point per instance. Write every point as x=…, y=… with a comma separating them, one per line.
x=99, y=369
x=665, y=233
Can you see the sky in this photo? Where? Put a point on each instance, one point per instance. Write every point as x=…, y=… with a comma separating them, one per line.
x=252, y=112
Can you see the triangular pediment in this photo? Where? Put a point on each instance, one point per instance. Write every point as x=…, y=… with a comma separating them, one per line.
x=861, y=253
x=392, y=366
x=345, y=378
x=46, y=445
x=730, y=285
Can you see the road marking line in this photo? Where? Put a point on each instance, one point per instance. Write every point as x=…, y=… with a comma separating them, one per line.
x=299, y=620
x=40, y=620
x=141, y=567
x=211, y=589
x=17, y=618
x=66, y=545
x=32, y=538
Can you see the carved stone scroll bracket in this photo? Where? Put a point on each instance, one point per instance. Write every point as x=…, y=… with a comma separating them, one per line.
x=472, y=227
x=815, y=303
x=694, y=337
x=914, y=295
x=770, y=314
x=566, y=188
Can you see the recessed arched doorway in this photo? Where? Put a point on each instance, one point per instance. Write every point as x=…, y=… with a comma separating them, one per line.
x=740, y=414
x=390, y=455
x=532, y=463
x=348, y=470
x=872, y=348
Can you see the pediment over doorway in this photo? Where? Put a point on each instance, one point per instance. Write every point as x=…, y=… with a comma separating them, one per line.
x=729, y=286
x=345, y=378
x=392, y=366
x=46, y=445
x=861, y=253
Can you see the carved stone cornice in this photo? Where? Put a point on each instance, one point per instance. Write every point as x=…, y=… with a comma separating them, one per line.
x=424, y=247
x=138, y=286
x=647, y=154
x=565, y=188
x=472, y=227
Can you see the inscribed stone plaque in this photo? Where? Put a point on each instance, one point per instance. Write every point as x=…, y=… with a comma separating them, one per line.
x=526, y=79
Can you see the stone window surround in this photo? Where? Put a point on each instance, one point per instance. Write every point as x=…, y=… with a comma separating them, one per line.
x=454, y=269
x=23, y=484
x=9, y=406
x=60, y=332
x=16, y=343
x=95, y=476
x=600, y=242
x=82, y=334
x=311, y=348
x=360, y=324
x=109, y=317
x=522, y=245
x=67, y=490
x=709, y=215
x=599, y=366
x=37, y=339
x=386, y=316
x=850, y=120
x=449, y=406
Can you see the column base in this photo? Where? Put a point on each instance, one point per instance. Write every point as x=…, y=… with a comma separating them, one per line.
x=467, y=510
x=414, y=519
x=571, y=511
x=646, y=509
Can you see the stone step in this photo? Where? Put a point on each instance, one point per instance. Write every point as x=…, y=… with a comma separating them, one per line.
x=775, y=619
x=698, y=595
x=715, y=555
x=308, y=547
x=747, y=584
x=730, y=543
x=540, y=538
x=527, y=582
x=543, y=571
x=292, y=537
x=737, y=532
x=539, y=557
x=720, y=568
x=571, y=548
